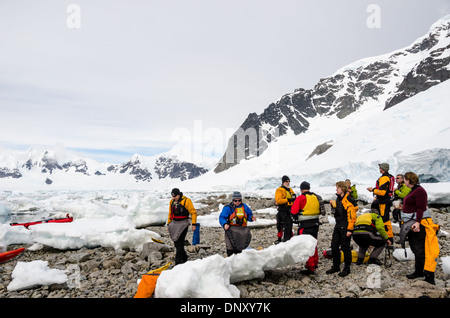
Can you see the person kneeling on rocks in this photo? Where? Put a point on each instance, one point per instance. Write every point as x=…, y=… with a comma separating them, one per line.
x=233, y=219
x=369, y=231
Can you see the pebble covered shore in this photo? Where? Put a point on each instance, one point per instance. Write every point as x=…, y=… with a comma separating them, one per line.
x=105, y=273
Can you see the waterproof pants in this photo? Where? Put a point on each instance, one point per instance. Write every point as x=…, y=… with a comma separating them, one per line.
x=367, y=239
x=396, y=215
x=285, y=224
x=237, y=238
x=340, y=241
x=180, y=255
x=424, y=244
x=417, y=244
x=313, y=261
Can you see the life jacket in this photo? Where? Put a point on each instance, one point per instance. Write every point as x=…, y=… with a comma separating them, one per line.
x=391, y=188
x=364, y=222
x=345, y=211
x=312, y=206
x=391, y=185
x=284, y=193
x=329, y=255
x=147, y=285
x=177, y=210
x=238, y=217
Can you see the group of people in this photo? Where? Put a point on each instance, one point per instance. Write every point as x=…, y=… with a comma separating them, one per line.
x=371, y=229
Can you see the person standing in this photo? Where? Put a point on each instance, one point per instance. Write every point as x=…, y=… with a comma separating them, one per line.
x=422, y=233
x=382, y=201
x=233, y=219
x=284, y=198
x=345, y=215
x=399, y=194
x=352, y=189
x=305, y=211
x=180, y=208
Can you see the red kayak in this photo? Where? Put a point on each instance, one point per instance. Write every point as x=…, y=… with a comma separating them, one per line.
x=65, y=220
x=10, y=254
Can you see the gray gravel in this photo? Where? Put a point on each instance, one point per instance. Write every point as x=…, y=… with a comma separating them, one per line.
x=104, y=273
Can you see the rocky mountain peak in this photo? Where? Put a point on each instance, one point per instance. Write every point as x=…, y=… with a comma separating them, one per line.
x=381, y=81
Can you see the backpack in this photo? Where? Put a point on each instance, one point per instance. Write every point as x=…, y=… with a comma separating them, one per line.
x=391, y=185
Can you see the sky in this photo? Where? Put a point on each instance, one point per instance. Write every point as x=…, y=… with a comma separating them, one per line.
x=111, y=78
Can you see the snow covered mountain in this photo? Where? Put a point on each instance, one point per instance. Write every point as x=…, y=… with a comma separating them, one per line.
x=412, y=136
x=59, y=164
x=403, y=121
x=378, y=82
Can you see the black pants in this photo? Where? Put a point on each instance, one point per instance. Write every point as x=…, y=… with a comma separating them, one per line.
x=365, y=240
x=396, y=215
x=284, y=224
x=181, y=256
x=310, y=227
x=340, y=241
x=417, y=244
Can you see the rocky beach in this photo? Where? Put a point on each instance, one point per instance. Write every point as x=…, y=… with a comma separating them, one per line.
x=106, y=273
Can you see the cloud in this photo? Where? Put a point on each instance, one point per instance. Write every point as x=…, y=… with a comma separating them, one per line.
x=136, y=72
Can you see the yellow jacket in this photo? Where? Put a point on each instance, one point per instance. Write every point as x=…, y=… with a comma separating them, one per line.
x=348, y=215
x=282, y=195
x=187, y=204
x=383, y=186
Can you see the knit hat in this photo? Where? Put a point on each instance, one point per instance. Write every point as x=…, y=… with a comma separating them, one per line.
x=305, y=186
x=384, y=166
x=284, y=179
x=236, y=195
x=175, y=192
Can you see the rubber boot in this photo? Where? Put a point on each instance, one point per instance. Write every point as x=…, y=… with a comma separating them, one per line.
x=333, y=270
x=375, y=261
x=418, y=272
x=345, y=272
x=414, y=275
x=360, y=260
x=429, y=277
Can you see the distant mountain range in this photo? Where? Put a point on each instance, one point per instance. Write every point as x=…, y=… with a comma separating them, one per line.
x=384, y=80
x=45, y=163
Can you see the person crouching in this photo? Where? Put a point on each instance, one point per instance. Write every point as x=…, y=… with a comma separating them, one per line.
x=369, y=231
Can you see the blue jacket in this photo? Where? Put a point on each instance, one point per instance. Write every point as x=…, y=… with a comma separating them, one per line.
x=227, y=211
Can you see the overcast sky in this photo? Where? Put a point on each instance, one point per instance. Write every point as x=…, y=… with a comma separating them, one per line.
x=114, y=77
